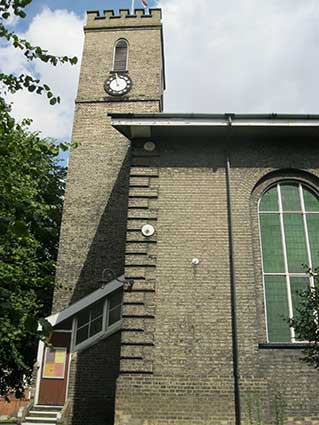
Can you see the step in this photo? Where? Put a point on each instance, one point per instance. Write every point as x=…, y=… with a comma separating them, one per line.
x=43, y=413
x=38, y=423
x=46, y=407
x=37, y=420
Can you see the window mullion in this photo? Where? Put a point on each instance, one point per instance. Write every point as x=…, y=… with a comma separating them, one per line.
x=281, y=217
x=90, y=320
x=107, y=313
x=312, y=284
x=104, y=318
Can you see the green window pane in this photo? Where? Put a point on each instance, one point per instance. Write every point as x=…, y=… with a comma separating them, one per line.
x=290, y=197
x=311, y=200
x=297, y=285
x=269, y=201
x=277, y=309
x=273, y=259
x=295, y=242
x=313, y=233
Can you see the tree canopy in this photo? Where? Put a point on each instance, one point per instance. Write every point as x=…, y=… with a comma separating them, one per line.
x=306, y=322
x=32, y=187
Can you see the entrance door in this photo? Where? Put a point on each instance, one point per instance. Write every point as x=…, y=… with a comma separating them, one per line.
x=55, y=370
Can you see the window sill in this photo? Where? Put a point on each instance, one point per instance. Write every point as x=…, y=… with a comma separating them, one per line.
x=119, y=72
x=283, y=345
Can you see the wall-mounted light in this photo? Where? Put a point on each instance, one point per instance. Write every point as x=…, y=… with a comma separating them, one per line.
x=148, y=230
x=108, y=275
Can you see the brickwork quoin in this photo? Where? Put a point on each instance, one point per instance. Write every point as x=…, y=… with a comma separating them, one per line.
x=191, y=380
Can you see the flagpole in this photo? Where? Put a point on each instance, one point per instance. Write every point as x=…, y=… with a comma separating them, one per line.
x=132, y=8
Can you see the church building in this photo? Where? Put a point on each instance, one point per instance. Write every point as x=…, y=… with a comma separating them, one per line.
x=181, y=255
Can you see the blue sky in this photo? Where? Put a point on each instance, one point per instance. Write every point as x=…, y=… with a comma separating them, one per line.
x=244, y=56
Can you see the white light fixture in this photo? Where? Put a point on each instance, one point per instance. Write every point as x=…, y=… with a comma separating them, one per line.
x=148, y=230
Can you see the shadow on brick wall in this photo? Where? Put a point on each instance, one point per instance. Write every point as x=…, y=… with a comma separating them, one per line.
x=93, y=375
x=108, y=246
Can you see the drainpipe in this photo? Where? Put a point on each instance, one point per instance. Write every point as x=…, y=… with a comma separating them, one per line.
x=232, y=284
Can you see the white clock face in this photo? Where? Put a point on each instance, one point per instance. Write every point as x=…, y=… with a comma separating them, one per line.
x=118, y=85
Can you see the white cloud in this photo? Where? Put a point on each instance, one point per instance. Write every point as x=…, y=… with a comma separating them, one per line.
x=238, y=56
x=60, y=32
x=241, y=55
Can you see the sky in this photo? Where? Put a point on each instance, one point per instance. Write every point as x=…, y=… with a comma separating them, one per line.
x=242, y=56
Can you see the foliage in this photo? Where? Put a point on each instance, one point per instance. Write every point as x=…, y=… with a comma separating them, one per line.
x=32, y=186
x=13, y=82
x=306, y=322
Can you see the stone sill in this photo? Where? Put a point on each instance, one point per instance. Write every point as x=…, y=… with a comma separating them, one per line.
x=283, y=345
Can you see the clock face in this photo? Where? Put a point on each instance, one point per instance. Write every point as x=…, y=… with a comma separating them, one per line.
x=118, y=85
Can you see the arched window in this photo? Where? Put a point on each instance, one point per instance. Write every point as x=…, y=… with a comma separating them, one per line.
x=120, y=56
x=289, y=231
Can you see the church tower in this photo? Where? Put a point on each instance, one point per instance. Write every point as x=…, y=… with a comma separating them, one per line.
x=122, y=71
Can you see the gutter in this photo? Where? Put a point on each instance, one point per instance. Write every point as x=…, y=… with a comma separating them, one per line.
x=232, y=284
x=219, y=120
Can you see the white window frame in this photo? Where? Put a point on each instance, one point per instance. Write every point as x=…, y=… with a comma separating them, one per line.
x=105, y=331
x=127, y=54
x=286, y=273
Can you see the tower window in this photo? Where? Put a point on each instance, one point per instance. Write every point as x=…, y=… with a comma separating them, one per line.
x=120, y=56
x=289, y=231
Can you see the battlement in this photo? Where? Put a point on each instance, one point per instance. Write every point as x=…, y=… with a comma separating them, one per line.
x=124, y=19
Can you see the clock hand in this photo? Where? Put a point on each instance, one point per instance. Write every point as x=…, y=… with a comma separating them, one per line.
x=117, y=79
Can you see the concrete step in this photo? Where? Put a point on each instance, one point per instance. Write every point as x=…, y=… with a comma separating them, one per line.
x=42, y=415
x=45, y=413
x=46, y=407
x=38, y=423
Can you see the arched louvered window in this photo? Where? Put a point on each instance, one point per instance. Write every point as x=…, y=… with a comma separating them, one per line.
x=120, y=56
x=289, y=231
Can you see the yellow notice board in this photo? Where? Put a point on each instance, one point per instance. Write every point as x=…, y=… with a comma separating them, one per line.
x=54, y=362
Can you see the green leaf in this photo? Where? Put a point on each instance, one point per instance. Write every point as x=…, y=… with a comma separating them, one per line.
x=64, y=147
x=20, y=229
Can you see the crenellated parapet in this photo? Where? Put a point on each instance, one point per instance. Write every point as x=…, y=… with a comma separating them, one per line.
x=108, y=19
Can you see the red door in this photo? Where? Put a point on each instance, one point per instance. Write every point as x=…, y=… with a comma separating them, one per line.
x=55, y=370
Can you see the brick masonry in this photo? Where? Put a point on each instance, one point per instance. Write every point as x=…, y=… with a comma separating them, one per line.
x=177, y=367
x=96, y=201
x=174, y=358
